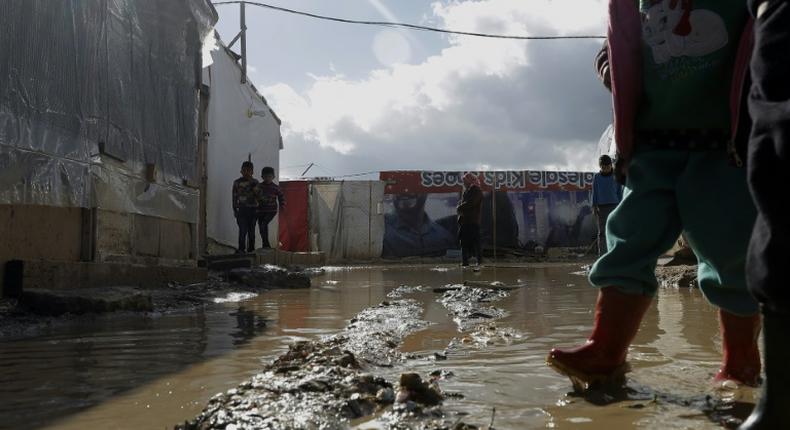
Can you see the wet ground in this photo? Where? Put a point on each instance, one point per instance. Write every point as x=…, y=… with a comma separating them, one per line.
x=130, y=371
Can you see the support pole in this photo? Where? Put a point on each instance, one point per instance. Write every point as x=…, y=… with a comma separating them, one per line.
x=493, y=210
x=243, y=23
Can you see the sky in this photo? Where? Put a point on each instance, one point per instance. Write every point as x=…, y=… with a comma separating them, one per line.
x=356, y=99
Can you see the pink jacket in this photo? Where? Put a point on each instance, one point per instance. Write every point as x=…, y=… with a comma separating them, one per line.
x=625, y=65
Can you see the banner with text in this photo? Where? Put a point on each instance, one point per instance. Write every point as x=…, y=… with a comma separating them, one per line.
x=528, y=209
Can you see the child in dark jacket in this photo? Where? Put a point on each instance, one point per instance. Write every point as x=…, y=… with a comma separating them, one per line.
x=244, y=207
x=270, y=199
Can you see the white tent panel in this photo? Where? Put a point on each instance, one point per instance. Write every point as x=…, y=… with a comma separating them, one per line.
x=241, y=125
x=346, y=219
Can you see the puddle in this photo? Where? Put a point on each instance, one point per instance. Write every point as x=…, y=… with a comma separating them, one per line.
x=154, y=372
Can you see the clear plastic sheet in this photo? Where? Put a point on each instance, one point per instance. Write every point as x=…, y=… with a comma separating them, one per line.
x=120, y=74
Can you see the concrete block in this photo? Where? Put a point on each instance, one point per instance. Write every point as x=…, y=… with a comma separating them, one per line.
x=308, y=259
x=266, y=256
x=33, y=232
x=282, y=258
x=38, y=274
x=82, y=301
x=113, y=234
x=146, y=234
x=175, y=239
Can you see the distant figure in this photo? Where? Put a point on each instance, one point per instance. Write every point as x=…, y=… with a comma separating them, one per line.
x=244, y=207
x=606, y=194
x=270, y=199
x=469, y=217
x=410, y=231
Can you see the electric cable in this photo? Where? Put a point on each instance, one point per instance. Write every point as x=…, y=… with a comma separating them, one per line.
x=404, y=25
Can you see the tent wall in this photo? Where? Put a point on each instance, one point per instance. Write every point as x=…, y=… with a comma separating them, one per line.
x=98, y=110
x=345, y=220
x=294, y=220
x=85, y=82
x=240, y=126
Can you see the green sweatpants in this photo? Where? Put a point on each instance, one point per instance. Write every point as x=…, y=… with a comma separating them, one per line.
x=669, y=191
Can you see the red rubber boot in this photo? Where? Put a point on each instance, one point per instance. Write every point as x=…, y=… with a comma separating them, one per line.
x=741, y=355
x=602, y=358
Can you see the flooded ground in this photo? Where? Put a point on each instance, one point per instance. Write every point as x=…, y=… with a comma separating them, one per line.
x=153, y=372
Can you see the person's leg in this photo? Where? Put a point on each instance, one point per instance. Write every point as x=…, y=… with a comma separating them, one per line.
x=463, y=235
x=250, y=218
x=639, y=230
x=601, y=230
x=263, y=226
x=242, y=224
x=769, y=160
x=718, y=215
x=477, y=245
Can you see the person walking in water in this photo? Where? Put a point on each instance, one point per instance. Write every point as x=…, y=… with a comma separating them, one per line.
x=244, y=207
x=768, y=163
x=469, y=217
x=606, y=194
x=675, y=67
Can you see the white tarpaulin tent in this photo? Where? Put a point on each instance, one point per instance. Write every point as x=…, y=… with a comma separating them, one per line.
x=240, y=125
x=346, y=222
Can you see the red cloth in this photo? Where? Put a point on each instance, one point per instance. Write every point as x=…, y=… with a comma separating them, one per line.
x=293, y=220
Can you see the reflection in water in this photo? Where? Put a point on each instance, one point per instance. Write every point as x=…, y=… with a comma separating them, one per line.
x=151, y=372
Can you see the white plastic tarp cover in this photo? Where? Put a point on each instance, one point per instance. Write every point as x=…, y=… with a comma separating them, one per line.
x=80, y=74
x=240, y=124
x=345, y=220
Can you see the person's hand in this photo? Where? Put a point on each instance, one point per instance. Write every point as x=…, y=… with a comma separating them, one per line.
x=235, y=212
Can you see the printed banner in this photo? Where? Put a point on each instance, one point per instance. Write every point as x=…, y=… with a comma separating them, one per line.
x=525, y=180
x=528, y=209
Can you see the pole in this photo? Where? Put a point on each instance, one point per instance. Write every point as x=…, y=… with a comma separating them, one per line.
x=493, y=210
x=243, y=23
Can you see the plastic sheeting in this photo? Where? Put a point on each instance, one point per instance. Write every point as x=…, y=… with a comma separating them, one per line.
x=240, y=125
x=122, y=74
x=294, y=220
x=345, y=220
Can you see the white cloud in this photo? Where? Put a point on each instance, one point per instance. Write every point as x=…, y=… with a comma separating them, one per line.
x=504, y=104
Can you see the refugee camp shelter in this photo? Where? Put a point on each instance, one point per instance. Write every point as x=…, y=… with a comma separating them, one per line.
x=341, y=219
x=99, y=130
x=240, y=126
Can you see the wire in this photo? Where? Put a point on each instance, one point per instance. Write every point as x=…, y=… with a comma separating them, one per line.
x=403, y=25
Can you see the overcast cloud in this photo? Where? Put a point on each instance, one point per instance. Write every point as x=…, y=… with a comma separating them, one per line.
x=471, y=104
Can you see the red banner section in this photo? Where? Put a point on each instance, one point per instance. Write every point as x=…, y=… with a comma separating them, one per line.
x=422, y=182
x=293, y=219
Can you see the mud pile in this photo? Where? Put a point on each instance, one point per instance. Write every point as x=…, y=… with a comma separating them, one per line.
x=324, y=384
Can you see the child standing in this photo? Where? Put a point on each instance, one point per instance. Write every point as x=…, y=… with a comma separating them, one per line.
x=606, y=194
x=270, y=198
x=675, y=67
x=244, y=206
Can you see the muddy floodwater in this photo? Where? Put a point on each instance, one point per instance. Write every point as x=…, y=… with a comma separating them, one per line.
x=154, y=371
